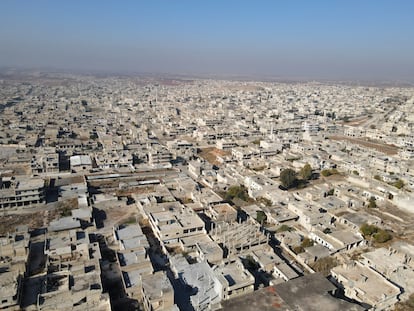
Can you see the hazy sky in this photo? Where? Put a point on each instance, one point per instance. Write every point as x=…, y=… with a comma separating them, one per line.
x=339, y=39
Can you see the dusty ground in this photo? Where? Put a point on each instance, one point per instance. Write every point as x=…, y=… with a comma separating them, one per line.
x=379, y=146
x=9, y=223
x=357, y=122
x=210, y=154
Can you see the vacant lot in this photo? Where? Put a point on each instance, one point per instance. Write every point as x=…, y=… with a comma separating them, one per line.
x=379, y=146
x=210, y=154
x=9, y=223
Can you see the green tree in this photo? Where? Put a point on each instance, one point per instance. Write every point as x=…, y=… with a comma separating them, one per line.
x=306, y=172
x=237, y=192
x=306, y=243
x=284, y=228
x=372, y=202
x=298, y=249
x=378, y=177
x=368, y=230
x=382, y=236
x=288, y=178
x=261, y=217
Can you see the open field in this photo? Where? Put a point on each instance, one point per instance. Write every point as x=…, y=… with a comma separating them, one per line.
x=379, y=146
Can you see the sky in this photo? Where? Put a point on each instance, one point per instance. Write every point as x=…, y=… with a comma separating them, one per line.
x=292, y=39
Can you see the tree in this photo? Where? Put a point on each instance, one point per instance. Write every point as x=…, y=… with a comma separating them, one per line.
x=237, y=192
x=261, y=217
x=306, y=243
x=368, y=230
x=288, y=178
x=306, y=172
x=382, y=236
x=372, y=202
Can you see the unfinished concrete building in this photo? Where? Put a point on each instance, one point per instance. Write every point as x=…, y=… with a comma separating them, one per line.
x=366, y=285
x=238, y=238
x=158, y=293
x=21, y=191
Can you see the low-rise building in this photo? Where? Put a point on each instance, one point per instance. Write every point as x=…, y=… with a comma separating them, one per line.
x=21, y=191
x=366, y=285
x=158, y=293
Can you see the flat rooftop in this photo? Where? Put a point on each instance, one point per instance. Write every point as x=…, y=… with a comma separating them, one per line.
x=265, y=299
x=311, y=293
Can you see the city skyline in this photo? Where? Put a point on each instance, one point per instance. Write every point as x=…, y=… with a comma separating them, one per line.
x=318, y=40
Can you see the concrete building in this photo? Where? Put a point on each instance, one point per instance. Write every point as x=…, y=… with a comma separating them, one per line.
x=158, y=293
x=171, y=221
x=133, y=259
x=20, y=191
x=234, y=278
x=238, y=238
x=14, y=250
x=207, y=289
x=73, y=280
x=312, y=292
x=80, y=163
x=366, y=285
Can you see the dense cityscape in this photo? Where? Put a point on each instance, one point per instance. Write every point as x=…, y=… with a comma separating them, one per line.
x=154, y=193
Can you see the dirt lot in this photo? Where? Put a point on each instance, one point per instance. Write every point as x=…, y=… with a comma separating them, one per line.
x=357, y=122
x=379, y=146
x=210, y=154
x=9, y=223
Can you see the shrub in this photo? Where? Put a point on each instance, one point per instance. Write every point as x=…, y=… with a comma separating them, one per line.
x=298, y=249
x=382, y=236
x=378, y=177
x=327, y=231
x=329, y=172
x=284, y=228
x=398, y=184
x=265, y=201
x=324, y=265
